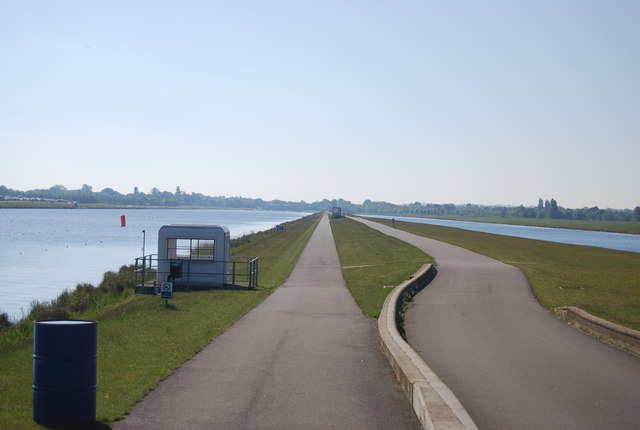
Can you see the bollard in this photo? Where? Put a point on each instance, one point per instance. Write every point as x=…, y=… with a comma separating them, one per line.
x=64, y=371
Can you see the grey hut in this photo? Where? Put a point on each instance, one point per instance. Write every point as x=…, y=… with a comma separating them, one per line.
x=193, y=255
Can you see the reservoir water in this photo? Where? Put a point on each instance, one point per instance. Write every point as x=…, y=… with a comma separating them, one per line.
x=618, y=241
x=45, y=251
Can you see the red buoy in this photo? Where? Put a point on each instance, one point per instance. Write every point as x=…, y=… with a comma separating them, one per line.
x=123, y=223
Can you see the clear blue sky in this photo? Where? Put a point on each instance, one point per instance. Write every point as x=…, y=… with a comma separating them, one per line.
x=488, y=102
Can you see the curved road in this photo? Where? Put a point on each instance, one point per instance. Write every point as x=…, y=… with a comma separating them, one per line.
x=305, y=358
x=510, y=362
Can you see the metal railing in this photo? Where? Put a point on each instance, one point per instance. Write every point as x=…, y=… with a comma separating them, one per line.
x=145, y=273
x=245, y=270
x=241, y=271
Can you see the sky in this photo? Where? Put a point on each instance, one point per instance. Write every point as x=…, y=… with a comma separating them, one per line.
x=484, y=102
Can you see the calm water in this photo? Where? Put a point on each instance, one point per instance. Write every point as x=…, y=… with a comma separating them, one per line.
x=45, y=251
x=621, y=242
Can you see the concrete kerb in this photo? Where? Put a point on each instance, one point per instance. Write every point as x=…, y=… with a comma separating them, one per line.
x=621, y=337
x=433, y=402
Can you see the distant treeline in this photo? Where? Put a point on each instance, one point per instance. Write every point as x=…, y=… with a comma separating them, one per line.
x=108, y=196
x=544, y=209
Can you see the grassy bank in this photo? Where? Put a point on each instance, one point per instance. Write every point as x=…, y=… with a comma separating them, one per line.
x=603, y=282
x=373, y=263
x=33, y=204
x=140, y=342
x=116, y=206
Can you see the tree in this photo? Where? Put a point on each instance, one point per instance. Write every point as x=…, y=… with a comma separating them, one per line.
x=109, y=195
x=58, y=189
x=547, y=209
x=4, y=191
x=58, y=192
x=554, y=212
x=636, y=213
x=540, y=213
x=85, y=194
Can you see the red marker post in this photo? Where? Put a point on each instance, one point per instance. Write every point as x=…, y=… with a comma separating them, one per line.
x=123, y=222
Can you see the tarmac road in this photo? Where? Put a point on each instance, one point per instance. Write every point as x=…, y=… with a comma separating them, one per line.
x=306, y=358
x=510, y=362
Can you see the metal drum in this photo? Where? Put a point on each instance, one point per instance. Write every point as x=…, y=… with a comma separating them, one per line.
x=64, y=371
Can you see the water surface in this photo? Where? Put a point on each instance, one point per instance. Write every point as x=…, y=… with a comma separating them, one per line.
x=45, y=251
x=618, y=241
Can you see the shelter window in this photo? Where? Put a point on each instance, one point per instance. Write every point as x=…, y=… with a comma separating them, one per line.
x=191, y=249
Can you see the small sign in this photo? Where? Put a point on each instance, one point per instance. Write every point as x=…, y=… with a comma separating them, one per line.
x=166, y=290
x=280, y=227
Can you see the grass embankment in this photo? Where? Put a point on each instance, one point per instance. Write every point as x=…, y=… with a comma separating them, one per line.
x=34, y=204
x=140, y=342
x=120, y=206
x=373, y=263
x=601, y=281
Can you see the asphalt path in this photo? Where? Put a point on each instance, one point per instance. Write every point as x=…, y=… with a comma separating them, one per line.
x=510, y=362
x=305, y=358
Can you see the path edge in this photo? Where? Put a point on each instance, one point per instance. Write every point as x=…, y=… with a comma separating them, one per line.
x=616, y=335
x=433, y=402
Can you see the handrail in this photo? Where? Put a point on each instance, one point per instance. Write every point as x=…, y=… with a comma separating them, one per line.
x=240, y=271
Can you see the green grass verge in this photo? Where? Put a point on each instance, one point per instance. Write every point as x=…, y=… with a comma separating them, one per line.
x=32, y=204
x=373, y=263
x=601, y=281
x=121, y=206
x=140, y=342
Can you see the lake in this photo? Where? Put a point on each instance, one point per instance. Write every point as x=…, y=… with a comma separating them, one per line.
x=618, y=241
x=45, y=251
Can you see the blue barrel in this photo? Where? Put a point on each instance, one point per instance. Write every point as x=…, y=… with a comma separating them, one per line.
x=64, y=371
